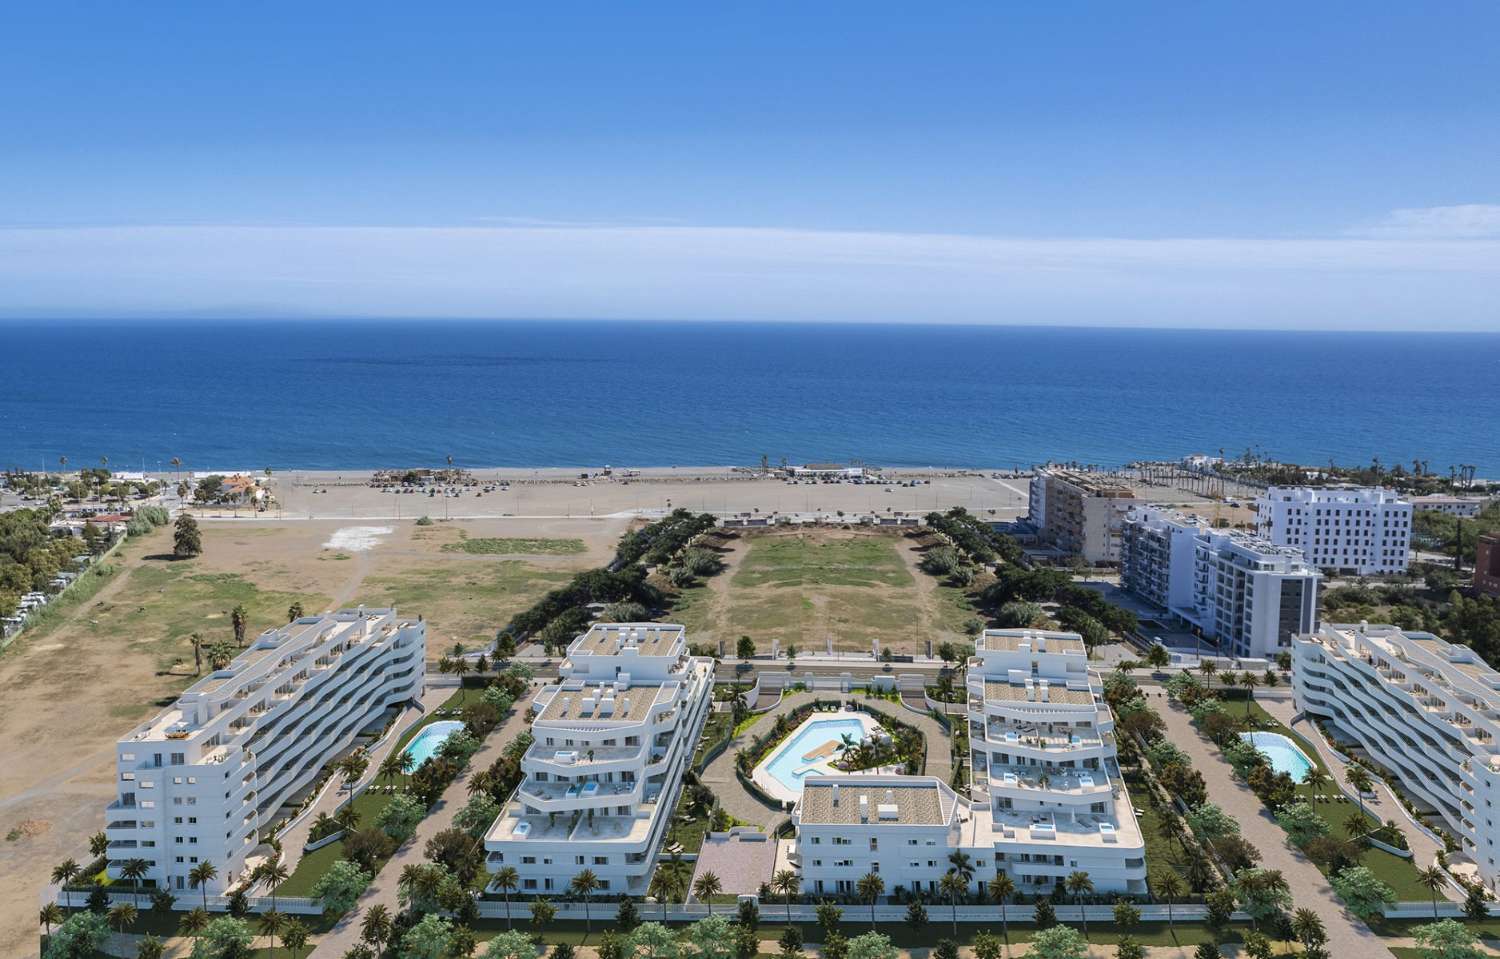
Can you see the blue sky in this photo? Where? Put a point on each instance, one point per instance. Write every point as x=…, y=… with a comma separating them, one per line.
x=1277, y=164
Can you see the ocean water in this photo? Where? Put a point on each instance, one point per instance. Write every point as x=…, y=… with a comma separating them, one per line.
x=346, y=395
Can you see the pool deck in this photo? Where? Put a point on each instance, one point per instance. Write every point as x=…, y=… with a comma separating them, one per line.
x=817, y=761
x=439, y=730
x=1261, y=738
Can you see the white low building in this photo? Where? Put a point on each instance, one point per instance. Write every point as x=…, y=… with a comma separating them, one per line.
x=1356, y=531
x=1246, y=594
x=1424, y=709
x=1047, y=798
x=612, y=739
x=203, y=780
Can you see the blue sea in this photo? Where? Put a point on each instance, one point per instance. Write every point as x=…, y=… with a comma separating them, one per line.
x=345, y=395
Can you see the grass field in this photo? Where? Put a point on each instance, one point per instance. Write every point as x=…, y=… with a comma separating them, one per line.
x=462, y=602
x=509, y=546
x=812, y=560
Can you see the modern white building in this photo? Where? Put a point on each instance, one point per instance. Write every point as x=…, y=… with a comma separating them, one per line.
x=1248, y=596
x=1047, y=798
x=612, y=739
x=1425, y=710
x=1357, y=531
x=204, y=779
x=1452, y=505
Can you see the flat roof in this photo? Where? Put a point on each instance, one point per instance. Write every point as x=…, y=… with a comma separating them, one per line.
x=1011, y=640
x=1000, y=691
x=609, y=705
x=895, y=804
x=648, y=639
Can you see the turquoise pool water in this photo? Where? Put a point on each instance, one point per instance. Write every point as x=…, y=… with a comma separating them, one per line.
x=1284, y=755
x=426, y=743
x=788, y=765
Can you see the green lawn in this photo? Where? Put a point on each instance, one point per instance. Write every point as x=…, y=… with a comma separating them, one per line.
x=462, y=601
x=1162, y=855
x=804, y=561
x=508, y=546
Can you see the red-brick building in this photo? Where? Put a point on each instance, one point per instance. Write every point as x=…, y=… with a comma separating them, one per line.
x=1487, y=565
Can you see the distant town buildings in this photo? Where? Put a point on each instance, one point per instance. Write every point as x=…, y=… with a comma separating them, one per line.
x=1047, y=797
x=1358, y=531
x=1079, y=513
x=1487, y=565
x=1246, y=594
x=612, y=739
x=1426, y=710
x=202, y=780
x=1452, y=505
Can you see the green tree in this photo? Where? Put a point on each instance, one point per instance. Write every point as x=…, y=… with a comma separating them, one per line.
x=510, y=945
x=1433, y=878
x=294, y=936
x=1043, y=914
x=542, y=913
x=200, y=876
x=916, y=915
x=226, y=937
x=953, y=885
x=376, y=927
x=270, y=925
x=1078, y=884
x=294, y=612
x=187, y=540
x=1207, y=950
x=1127, y=916
x=627, y=917
x=430, y=938
x=706, y=887
x=584, y=885
x=1301, y=822
x=872, y=945
x=1360, y=781
x=239, y=617
x=340, y=887
x=123, y=916
x=652, y=940
x=988, y=946
x=712, y=938
x=786, y=882
x=1363, y=891
x=745, y=648
x=399, y=817
x=81, y=935
x=1448, y=939
x=1307, y=926
x=1128, y=948
x=1058, y=942
x=148, y=947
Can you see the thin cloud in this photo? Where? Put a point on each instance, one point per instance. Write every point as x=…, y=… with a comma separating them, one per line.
x=1465, y=221
x=729, y=273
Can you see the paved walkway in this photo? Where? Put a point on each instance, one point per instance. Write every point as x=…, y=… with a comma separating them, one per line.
x=1347, y=934
x=345, y=933
x=1383, y=805
x=736, y=799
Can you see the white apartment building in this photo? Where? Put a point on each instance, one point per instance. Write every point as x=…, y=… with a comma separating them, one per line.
x=1358, y=531
x=612, y=739
x=1248, y=596
x=203, y=779
x=1466, y=506
x=1426, y=710
x=1047, y=798
x=1079, y=513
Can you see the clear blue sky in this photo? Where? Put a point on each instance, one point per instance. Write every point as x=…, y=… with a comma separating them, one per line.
x=1320, y=161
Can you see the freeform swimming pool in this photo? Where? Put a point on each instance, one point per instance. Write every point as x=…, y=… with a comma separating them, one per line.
x=791, y=763
x=1284, y=755
x=427, y=742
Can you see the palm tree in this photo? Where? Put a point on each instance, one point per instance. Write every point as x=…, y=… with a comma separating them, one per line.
x=871, y=887
x=661, y=887
x=584, y=884
x=1308, y=927
x=1208, y=671
x=294, y=612
x=1078, y=883
x=1002, y=887
x=193, y=923
x=294, y=936
x=271, y=873
x=1356, y=827
x=1434, y=878
x=135, y=870
x=507, y=880
x=706, y=887
x=376, y=928
x=1360, y=781
x=271, y=923
x=239, y=617
x=786, y=882
x=953, y=884
x=1249, y=680
x=50, y=913
x=963, y=865
x=66, y=871
x=98, y=844
x=197, y=642
x=1315, y=779
x=123, y=916
x=461, y=668
x=353, y=766
x=393, y=765
x=1169, y=888
x=150, y=947
x=200, y=876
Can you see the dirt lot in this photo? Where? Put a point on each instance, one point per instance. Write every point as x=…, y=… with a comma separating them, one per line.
x=73, y=688
x=810, y=586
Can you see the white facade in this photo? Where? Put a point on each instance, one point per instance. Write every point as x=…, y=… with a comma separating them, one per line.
x=200, y=781
x=1363, y=532
x=1247, y=595
x=1425, y=710
x=1452, y=505
x=612, y=739
x=1047, y=798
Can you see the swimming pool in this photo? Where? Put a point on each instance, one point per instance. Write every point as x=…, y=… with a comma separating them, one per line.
x=1284, y=755
x=427, y=742
x=795, y=757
